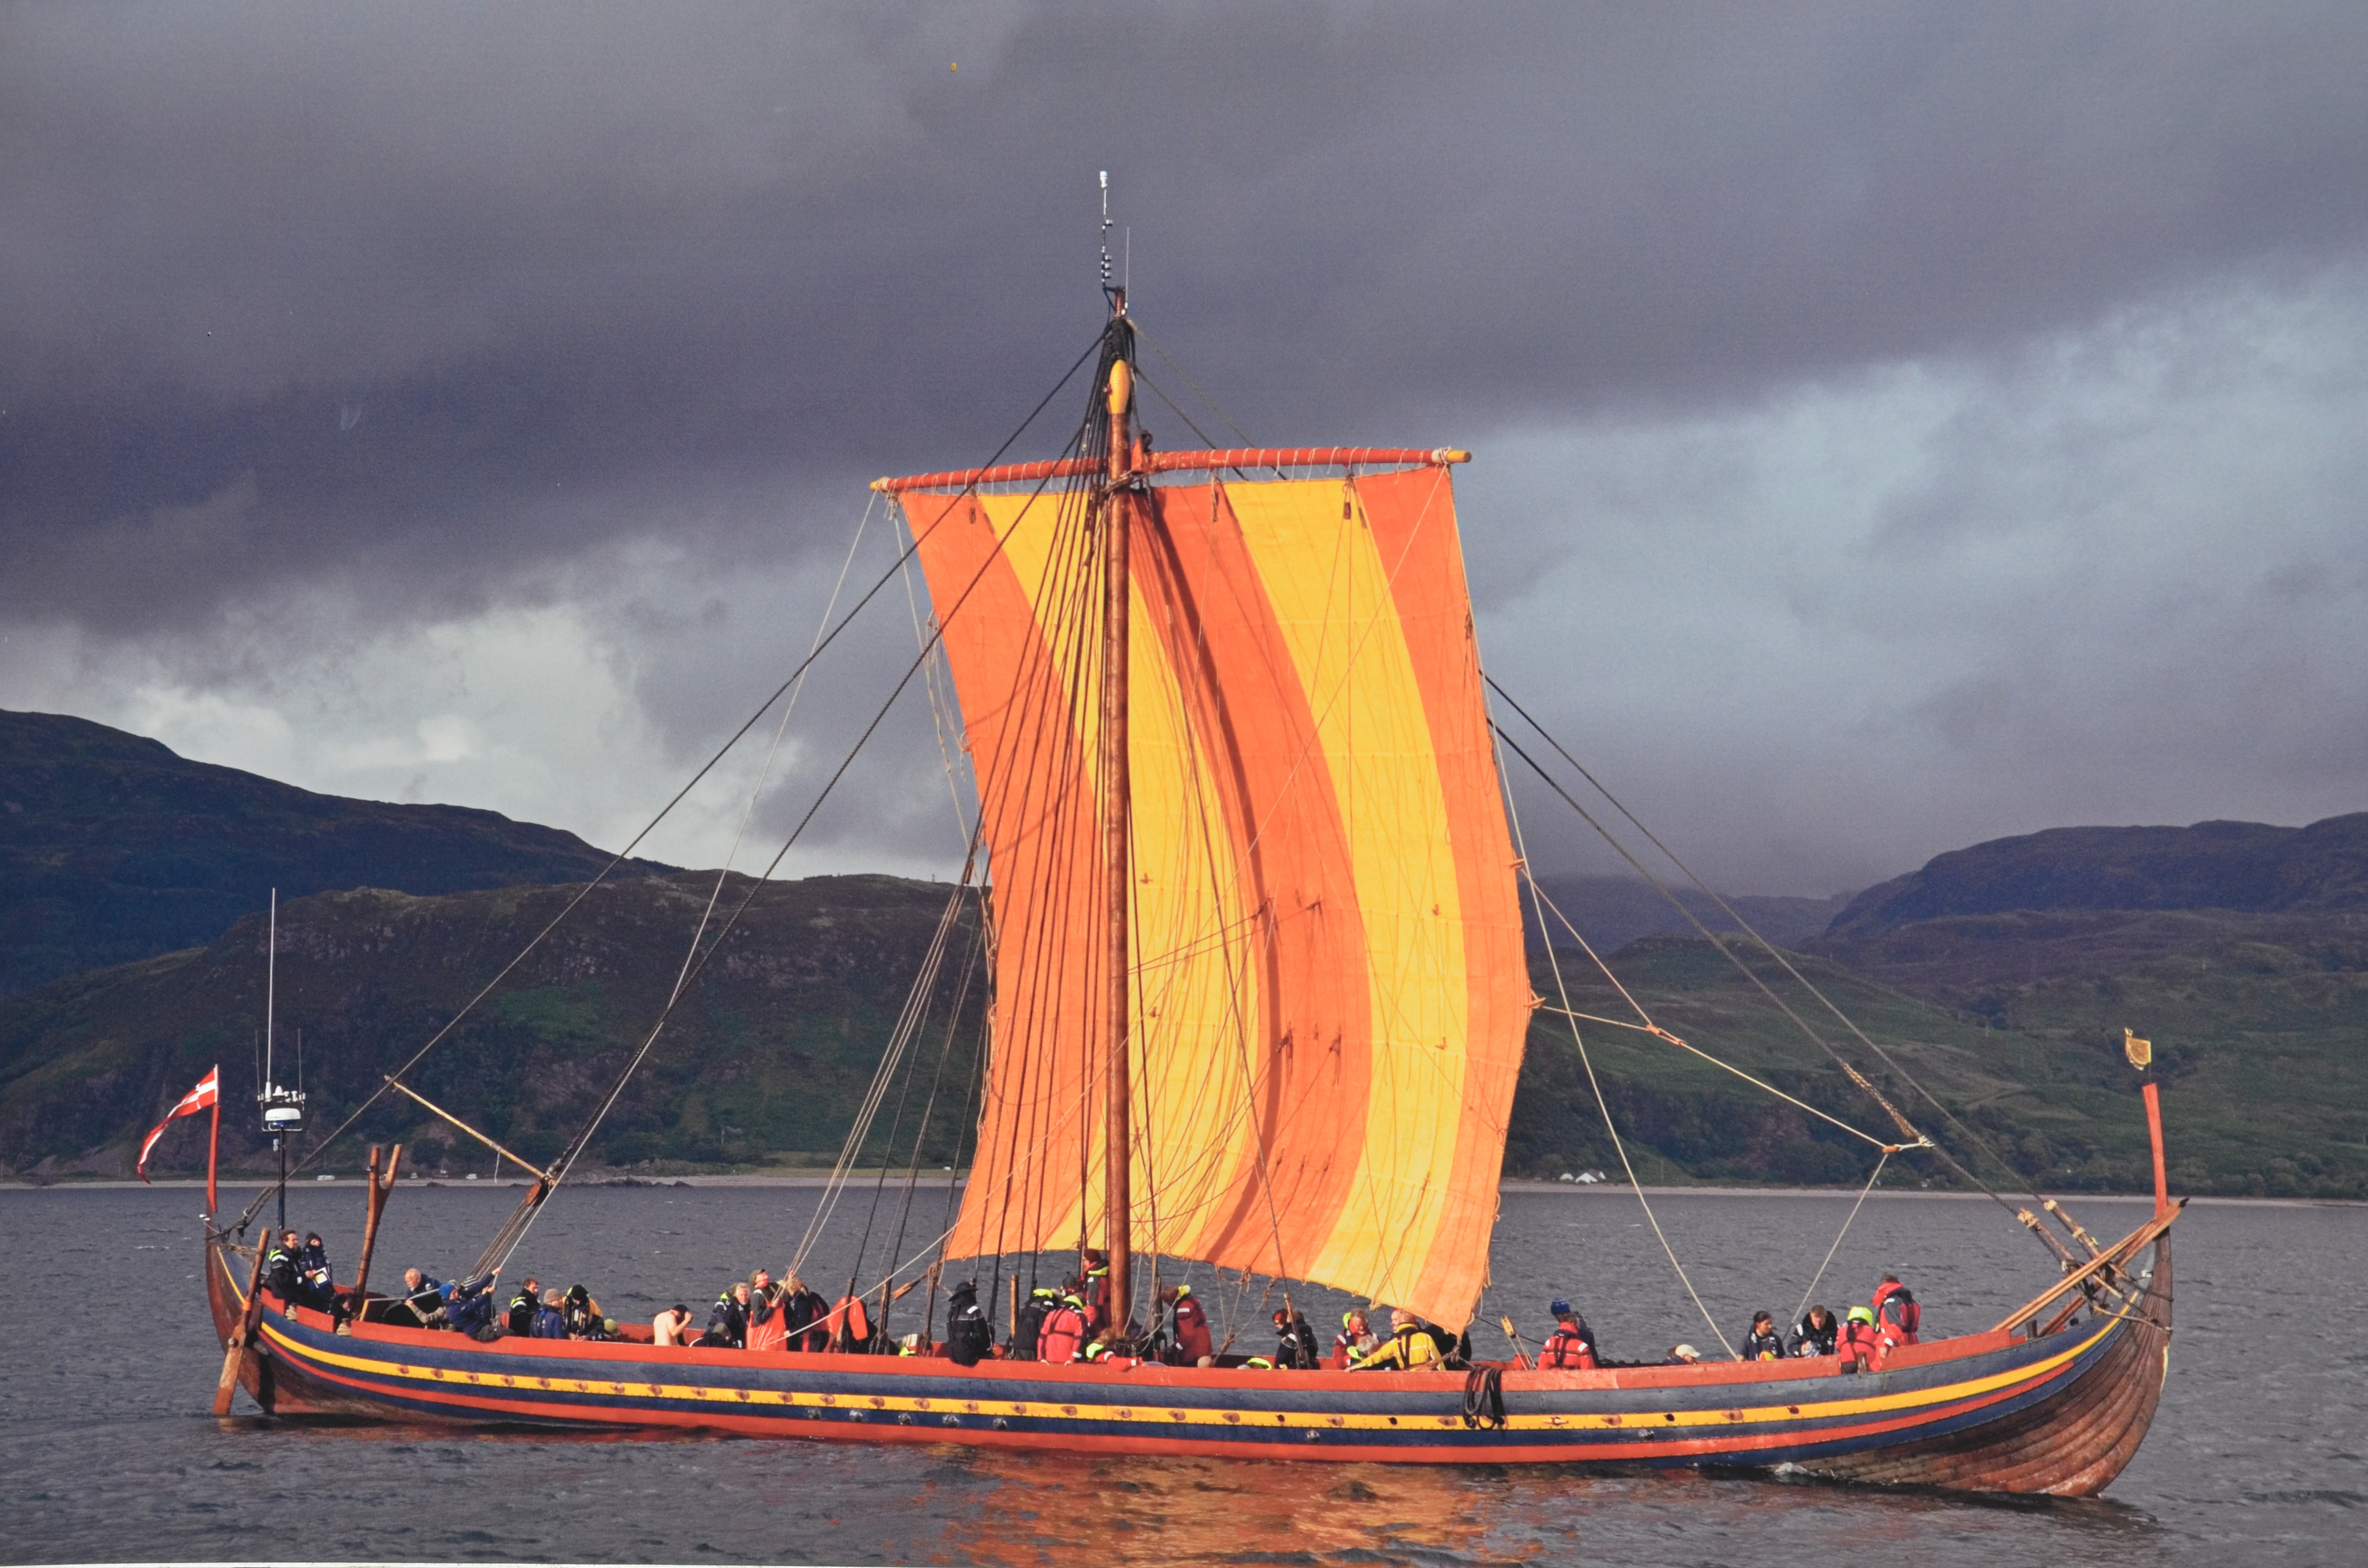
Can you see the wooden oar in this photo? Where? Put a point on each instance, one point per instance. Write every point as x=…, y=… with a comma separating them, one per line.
x=235, y=1352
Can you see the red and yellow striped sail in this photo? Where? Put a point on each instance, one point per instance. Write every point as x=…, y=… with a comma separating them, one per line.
x=1329, y=981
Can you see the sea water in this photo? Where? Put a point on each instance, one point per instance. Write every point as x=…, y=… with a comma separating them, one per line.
x=108, y=1451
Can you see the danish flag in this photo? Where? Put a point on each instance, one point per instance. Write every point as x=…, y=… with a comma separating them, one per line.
x=207, y=1093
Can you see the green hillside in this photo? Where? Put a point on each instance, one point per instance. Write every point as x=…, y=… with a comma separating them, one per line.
x=113, y=849
x=767, y=1057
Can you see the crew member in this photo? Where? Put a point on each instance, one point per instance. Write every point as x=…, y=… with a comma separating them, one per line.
x=1192, y=1346
x=314, y=1288
x=1859, y=1343
x=1683, y=1355
x=1030, y=1324
x=1896, y=1315
x=668, y=1327
x=727, y=1321
x=1063, y=1332
x=280, y=1268
x=1763, y=1343
x=1814, y=1333
x=1294, y=1341
x=1571, y=1347
x=524, y=1306
x=551, y=1315
x=767, y=1329
x=1408, y=1347
x=1354, y=1341
x=969, y=1336
x=584, y=1319
x=804, y=1310
x=469, y=1305
x=422, y=1299
x=1093, y=1291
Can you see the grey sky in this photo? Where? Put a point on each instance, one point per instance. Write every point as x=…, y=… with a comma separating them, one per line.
x=1897, y=425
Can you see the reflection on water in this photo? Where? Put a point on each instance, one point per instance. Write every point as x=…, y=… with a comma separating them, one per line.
x=108, y=1452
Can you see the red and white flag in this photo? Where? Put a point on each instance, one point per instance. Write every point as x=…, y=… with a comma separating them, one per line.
x=207, y=1093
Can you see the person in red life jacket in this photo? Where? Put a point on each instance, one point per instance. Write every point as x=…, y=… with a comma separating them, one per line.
x=767, y=1323
x=1763, y=1343
x=1191, y=1346
x=1063, y=1334
x=849, y=1326
x=1858, y=1344
x=1353, y=1343
x=1896, y=1315
x=1571, y=1347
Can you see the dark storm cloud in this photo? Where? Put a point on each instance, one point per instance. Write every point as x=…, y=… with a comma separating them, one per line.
x=287, y=289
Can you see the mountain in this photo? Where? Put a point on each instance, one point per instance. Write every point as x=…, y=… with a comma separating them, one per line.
x=2250, y=867
x=1611, y=911
x=770, y=1054
x=113, y=849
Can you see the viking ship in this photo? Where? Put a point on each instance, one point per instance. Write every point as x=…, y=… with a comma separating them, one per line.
x=1250, y=893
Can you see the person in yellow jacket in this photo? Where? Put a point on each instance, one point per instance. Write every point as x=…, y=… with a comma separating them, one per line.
x=1409, y=1347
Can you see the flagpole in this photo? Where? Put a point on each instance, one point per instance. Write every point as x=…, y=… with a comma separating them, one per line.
x=213, y=1147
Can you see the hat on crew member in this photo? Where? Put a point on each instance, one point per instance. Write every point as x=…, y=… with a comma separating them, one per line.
x=1560, y=1308
x=1862, y=1315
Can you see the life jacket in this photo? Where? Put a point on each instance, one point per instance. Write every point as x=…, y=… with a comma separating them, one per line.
x=768, y=1321
x=583, y=1320
x=1567, y=1348
x=549, y=1323
x=1348, y=1348
x=1859, y=1340
x=1096, y=1296
x=1897, y=1313
x=1406, y=1348
x=1768, y=1347
x=280, y=1274
x=1193, y=1340
x=728, y=1322
x=1062, y=1334
x=850, y=1326
x=523, y=1308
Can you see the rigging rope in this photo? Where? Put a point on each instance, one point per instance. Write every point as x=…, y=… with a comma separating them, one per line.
x=1847, y=1222
x=618, y=858
x=1886, y=1057
x=1619, y=1147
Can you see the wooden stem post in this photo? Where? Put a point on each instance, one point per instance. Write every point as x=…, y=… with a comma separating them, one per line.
x=380, y=1188
x=234, y=1353
x=2154, y=1133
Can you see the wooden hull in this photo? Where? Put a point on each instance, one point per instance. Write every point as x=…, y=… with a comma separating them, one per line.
x=2060, y=1414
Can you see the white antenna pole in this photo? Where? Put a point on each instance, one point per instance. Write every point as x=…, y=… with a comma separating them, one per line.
x=1105, y=259
x=271, y=984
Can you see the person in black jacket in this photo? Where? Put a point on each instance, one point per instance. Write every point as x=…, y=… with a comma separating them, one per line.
x=1295, y=1342
x=727, y=1321
x=805, y=1309
x=1763, y=1343
x=280, y=1267
x=1040, y=1301
x=314, y=1285
x=520, y=1319
x=969, y=1336
x=1813, y=1334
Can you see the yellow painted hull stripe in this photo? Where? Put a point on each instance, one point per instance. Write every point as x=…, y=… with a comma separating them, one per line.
x=530, y=1384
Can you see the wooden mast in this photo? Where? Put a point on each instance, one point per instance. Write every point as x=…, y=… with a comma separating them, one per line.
x=1118, y=518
